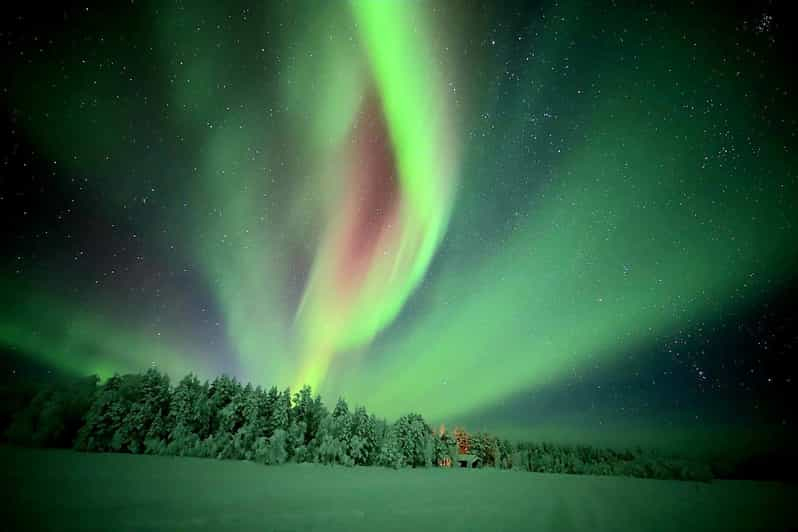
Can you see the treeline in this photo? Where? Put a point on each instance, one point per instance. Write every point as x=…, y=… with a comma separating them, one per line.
x=586, y=460
x=143, y=413
x=223, y=419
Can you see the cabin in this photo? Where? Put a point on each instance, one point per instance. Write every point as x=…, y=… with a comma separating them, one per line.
x=463, y=458
x=469, y=461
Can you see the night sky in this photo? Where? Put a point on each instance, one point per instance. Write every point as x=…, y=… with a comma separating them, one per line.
x=545, y=218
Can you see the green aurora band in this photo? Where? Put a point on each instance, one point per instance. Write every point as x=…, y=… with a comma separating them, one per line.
x=415, y=114
x=648, y=218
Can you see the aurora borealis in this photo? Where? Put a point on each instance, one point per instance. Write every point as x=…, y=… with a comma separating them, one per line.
x=396, y=199
x=521, y=215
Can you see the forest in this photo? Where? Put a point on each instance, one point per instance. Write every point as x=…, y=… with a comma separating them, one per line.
x=227, y=420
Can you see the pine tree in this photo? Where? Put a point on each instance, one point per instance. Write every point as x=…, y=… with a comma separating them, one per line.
x=363, y=444
x=411, y=434
x=308, y=411
x=278, y=453
x=281, y=415
x=269, y=409
x=189, y=409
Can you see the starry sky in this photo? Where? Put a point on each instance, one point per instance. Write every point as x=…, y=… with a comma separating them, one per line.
x=530, y=218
